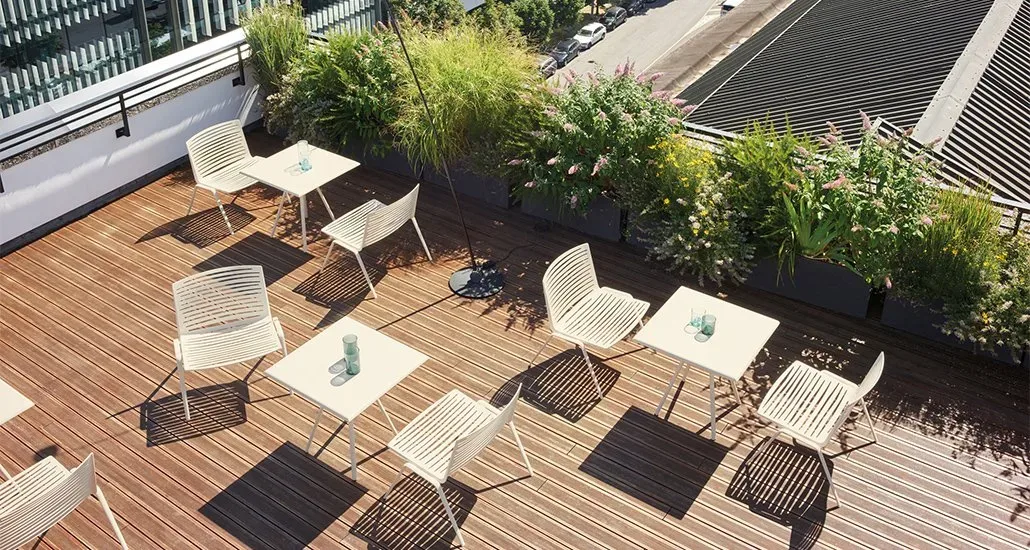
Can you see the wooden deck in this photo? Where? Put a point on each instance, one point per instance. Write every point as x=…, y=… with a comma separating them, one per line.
x=86, y=322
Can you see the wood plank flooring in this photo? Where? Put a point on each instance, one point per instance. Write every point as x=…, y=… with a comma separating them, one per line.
x=86, y=323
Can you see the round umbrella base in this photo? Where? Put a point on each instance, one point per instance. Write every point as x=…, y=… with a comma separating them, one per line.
x=480, y=282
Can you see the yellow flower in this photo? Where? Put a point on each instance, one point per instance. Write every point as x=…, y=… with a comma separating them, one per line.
x=984, y=316
x=666, y=201
x=706, y=231
x=695, y=231
x=954, y=252
x=704, y=212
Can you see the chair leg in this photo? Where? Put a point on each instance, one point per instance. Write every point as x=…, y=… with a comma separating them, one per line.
x=110, y=517
x=328, y=253
x=450, y=514
x=542, y=348
x=672, y=382
x=365, y=273
x=590, y=368
x=765, y=444
x=400, y=477
x=222, y=210
x=522, y=449
x=182, y=390
x=829, y=478
x=193, y=196
x=869, y=418
x=419, y=233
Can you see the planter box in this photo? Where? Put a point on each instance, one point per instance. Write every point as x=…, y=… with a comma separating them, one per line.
x=485, y=188
x=602, y=220
x=818, y=283
x=921, y=320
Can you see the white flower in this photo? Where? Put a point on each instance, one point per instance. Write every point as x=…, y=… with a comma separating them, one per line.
x=708, y=244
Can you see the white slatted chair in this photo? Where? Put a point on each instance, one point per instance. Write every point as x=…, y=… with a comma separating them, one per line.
x=371, y=223
x=449, y=434
x=223, y=318
x=217, y=155
x=581, y=312
x=810, y=405
x=42, y=495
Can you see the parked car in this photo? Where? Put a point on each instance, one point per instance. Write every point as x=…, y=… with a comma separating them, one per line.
x=633, y=7
x=590, y=34
x=614, y=17
x=547, y=66
x=728, y=5
x=566, y=51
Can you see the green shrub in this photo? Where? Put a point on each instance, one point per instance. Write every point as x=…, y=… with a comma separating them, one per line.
x=432, y=14
x=479, y=83
x=598, y=136
x=536, y=16
x=689, y=220
x=497, y=16
x=566, y=12
x=341, y=93
x=276, y=36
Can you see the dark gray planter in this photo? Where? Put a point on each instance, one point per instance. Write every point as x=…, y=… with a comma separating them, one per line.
x=921, y=320
x=602, y=220
x=818, y=283
x=467, y=182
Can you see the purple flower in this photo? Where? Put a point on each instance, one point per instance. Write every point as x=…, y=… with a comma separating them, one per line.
x=893, y=229
x=841, y=180
x=626, y=117
x=933, y=142
x=887, y=281
x=601, y=115
x=678, y=102
x=530, y=184
x=569, y=127
x=674, y=121
x=801, y=151
x=829, y=140
x=550, y=110
x=601, y=163
x=592, y=78
x=687, y=109
x=866, y=123
x=641, y=77
x=573, y=200
x=655, y=76
x=908, y=131
x=573, y=169
x=926, y=220
x=620, y=69
x=552, y=161
x=515, y=162
x=833, y=127
x=856, y=228
x=790, y=186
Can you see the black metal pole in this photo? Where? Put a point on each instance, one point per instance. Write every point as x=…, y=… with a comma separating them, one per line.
x=479, y=280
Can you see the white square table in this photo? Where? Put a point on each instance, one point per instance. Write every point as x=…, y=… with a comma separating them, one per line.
x=739, y=335
x=282, y=171
x=385, y=362
x=12, y=403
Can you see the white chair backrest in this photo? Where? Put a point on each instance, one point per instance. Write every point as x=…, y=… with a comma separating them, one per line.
x=38, y=502
x=871, y=378
x=216, y=147
x=469, y=447
x=381, y=222
x=568, y=279
x=220, y=299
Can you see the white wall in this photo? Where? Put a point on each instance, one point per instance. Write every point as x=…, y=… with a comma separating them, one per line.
x=54, y=183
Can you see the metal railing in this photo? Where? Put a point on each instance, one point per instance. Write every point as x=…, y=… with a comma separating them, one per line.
x=97, y=111
x=1015, y=214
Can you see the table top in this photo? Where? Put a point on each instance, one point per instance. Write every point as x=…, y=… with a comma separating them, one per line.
x=384, y=363
x=12, y=403
x=739, y=333
x=282, y=170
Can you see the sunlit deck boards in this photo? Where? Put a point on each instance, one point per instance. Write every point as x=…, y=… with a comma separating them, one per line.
x=86, y=324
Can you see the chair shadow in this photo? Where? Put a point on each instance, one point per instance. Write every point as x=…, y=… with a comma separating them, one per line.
x=276, y=257
x=287, y=500
x=340, y=286
x=786, y=484
x=212, y=409
x=202, y=228
x=561, y=385
x=658, y=463
x=413, y=516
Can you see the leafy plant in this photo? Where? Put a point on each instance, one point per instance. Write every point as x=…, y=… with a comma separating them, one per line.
x=597, y=135
x=813, y=225
x=343, y=92
x=433, y=14
x=566, y=12
x=480, y=84
x=536, y=17
x=276, y=36
x=497, y=16
x=689, y=219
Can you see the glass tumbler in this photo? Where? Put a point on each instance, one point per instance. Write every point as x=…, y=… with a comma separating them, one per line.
x=708, y=325
x=304, y=155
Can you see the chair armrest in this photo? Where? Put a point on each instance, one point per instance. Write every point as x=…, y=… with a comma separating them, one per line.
x=177, y=349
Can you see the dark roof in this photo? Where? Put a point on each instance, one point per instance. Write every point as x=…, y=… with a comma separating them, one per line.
x=992, y=135
x=824, y=60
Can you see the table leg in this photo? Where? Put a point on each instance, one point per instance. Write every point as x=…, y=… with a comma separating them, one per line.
x=326, y=203
x=304, y=222
x=733, y=384
x=672, y=382
x=711, y=401
x=318, y=417
x=278, y=214
x=388, y=419
x=353, y=443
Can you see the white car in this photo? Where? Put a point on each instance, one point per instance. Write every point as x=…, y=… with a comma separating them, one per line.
x=590, y=34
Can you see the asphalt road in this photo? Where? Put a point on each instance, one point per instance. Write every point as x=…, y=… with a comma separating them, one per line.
x=645, y=37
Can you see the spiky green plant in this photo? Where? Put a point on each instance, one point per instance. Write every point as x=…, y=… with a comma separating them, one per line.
x=276, y=36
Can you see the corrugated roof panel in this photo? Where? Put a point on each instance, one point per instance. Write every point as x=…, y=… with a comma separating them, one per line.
x=827, y=59
x=992, y=135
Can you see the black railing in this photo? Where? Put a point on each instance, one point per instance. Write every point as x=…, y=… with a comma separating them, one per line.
x=121, y=102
